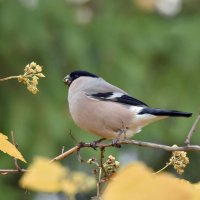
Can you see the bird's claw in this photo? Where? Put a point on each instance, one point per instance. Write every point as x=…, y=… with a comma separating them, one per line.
x=81, y=144
x=115, y=143
x=94, y=143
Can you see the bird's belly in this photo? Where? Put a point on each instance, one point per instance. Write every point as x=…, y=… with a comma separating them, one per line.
x=104, y=119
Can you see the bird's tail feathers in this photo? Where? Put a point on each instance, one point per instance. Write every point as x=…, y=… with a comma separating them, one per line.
x=161, y=112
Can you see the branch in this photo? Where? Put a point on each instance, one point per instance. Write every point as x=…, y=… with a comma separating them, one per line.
x=15, y=159
x=131, y=142
x=101, y=160
x=12, y=171
x=192, y=130
x=65, y=154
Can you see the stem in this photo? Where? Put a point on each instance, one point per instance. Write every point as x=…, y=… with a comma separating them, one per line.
x=102, y=149
x=13, y=171
x=192, y=130
x=99, y=182
x=167, y=165
x=15, y=159
x=9, y=77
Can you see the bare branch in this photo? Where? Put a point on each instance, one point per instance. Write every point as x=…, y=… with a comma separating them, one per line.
x=12, y=171
x=15, y=159
x=102, y=149
x=65, y=154
x=192, y=130
x=131, y=142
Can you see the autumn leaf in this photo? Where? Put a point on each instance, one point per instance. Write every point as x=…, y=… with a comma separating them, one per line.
x=136, y=181
x=9, y=148
x=43, y=176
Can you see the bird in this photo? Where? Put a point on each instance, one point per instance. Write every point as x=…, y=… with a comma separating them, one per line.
x=107, y=111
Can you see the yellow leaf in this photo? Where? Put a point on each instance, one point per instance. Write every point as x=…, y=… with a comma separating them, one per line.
x=43, y=176
x=138, y=182
x=197, y=192
x=9, y=148
x=197, y=186
x=69, y=187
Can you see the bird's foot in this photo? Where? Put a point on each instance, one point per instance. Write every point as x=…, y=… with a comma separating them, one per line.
x=81, y=144
x=94, y=143
x=115, y=143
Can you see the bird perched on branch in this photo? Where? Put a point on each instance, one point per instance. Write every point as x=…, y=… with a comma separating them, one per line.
x=106, y=110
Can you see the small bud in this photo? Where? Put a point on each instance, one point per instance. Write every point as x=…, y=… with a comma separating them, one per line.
x=112, y=158
x=38, y=68
x=35, y=80
x=90, y=161
x=26, y=68
x=40, y=75
x=33, y=64
x=117, y=164
x=32, y=89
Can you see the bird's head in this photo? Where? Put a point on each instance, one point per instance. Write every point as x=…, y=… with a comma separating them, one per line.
x=76, y=74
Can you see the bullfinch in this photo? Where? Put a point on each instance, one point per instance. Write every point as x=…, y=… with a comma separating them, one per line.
x=105, y=110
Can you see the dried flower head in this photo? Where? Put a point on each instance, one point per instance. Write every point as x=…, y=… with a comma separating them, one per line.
x=32, y=73
x=179, y=161
x=104, y=171
x=111, y=166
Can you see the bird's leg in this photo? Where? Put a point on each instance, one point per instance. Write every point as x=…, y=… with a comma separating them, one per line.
x=118, y=138
x=94, y=143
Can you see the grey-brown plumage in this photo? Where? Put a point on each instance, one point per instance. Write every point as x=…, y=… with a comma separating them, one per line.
x=105, y=110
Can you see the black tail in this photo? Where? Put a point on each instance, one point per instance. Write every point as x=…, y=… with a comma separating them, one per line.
x=160, y=112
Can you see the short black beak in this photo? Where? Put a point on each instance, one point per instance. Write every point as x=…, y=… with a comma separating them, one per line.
x=67, y=80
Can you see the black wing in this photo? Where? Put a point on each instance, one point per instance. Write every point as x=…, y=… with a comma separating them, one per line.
x=117, y=97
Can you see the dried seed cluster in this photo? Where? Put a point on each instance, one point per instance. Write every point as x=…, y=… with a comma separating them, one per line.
x=111, y=165
x=179, y=160
x=108, y=169
x=32, y=73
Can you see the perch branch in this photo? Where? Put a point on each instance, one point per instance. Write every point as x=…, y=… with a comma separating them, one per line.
x=131, y=142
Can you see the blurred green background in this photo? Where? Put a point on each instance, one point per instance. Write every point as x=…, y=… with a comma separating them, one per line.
x=149, y=48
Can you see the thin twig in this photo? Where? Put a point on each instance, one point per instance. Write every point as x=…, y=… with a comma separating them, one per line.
x=166, y=166
x=12, y=171
x=102, y=149
x=15, y=159
x=99, y=182
x=65, y=154
x=192, y=130
x=63, y=150
x=8, y=78
x=73, y=138
x=80, y=159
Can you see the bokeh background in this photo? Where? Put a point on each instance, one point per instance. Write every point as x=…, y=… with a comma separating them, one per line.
x=150, y=48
